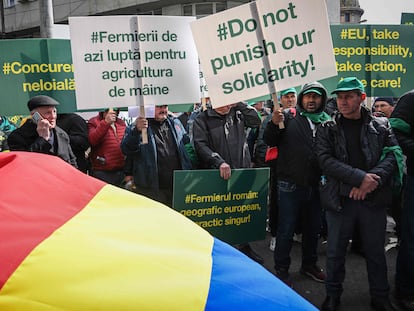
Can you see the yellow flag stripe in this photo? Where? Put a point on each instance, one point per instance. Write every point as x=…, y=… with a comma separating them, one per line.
x=121, y=252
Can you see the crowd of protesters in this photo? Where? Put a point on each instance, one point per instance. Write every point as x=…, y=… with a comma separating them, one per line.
x=337, y=169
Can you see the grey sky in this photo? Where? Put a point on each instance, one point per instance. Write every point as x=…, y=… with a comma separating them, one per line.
x=385, y=11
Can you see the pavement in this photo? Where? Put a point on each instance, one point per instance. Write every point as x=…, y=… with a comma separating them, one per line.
x=356, y=293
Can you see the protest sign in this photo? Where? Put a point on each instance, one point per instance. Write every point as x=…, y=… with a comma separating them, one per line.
x=263, y=46
x=203, y=85
x=381, y=56
x=232, y=210
x=35, y=67
x=125, y=61
x=407, y=19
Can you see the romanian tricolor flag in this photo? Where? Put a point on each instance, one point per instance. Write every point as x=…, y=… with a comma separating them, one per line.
x=71, y=242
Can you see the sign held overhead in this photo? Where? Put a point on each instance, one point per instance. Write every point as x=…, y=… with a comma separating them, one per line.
x=125, y=61
x=256, y=48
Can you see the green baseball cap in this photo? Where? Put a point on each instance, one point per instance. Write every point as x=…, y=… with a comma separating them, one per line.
x=287, y=91
x=349, y=84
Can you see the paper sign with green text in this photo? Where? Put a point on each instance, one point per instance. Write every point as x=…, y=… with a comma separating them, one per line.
x=263, y=46
x=125, y=61
x=232, y=210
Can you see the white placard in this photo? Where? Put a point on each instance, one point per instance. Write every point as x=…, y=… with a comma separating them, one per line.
x=149, y=111
x=122, y=61
x=264, y=46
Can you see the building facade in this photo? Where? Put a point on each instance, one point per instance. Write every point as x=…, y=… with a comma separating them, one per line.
x=21, y=18
x=351, y=12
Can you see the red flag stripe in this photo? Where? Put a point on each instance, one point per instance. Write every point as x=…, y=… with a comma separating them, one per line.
x=27, y=225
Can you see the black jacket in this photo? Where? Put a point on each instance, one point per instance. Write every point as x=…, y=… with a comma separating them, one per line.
x=376, y=134
x=75, y=126
x=297, y=161
x=219, y=139
x=404, y=110
x=25, y=138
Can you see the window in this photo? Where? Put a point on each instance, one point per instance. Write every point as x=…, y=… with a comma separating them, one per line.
x=188, y=10
x=153, y=12
x=203, y=9
x=220, y=7
x=347, y=17
x=8, y=3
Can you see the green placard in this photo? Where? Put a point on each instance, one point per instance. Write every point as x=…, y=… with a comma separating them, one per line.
x=35, y=67
x=381, y=56
x=181, y=107
x=252, y=101
x=407, y=19
x=233, y=211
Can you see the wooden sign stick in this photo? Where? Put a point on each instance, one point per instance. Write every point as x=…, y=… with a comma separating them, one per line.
x=276, y=104
x=144, y=132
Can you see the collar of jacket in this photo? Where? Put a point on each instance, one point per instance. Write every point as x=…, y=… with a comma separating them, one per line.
x=365, y=115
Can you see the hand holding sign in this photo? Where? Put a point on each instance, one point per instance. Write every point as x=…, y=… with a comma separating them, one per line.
x=278, y=117
x=225, y=171
x=141, y=123
x=110, y=116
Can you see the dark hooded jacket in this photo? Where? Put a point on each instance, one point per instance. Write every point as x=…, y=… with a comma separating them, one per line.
x=297, y=161
x=404, y=111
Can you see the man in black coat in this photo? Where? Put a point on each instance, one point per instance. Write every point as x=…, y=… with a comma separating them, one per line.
x=40, y=133
x=298, y=176
x=220, y=143
x=75, y=126
x=402, y=121
x=357, y=153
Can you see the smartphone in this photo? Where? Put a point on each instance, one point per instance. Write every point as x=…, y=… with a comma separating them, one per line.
x=36, y=117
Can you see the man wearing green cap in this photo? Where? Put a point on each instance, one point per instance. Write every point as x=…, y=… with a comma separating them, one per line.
x=357, y=153
x=288, y=98
x=298, y=176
